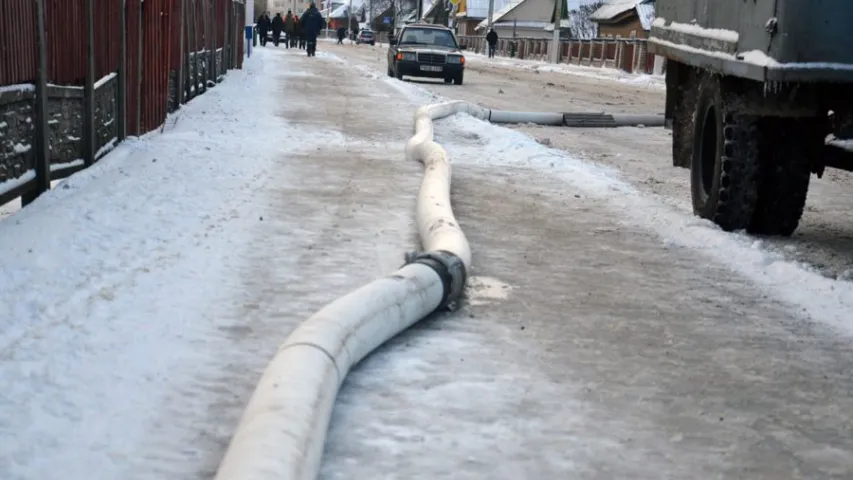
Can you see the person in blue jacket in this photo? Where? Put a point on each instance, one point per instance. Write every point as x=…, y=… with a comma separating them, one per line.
x=312, y=22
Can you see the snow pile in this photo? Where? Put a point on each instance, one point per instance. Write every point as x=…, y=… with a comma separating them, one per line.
x=598, y=73
x=822, y=299
x=729, y=36
x=112, y=301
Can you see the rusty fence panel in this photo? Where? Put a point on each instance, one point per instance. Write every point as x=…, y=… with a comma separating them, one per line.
x=66, y=42
x=133, y=84
x=133, y=66
x=107, y=41
x=18, y=56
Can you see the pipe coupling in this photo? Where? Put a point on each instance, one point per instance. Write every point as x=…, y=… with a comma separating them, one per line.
x=451, y=271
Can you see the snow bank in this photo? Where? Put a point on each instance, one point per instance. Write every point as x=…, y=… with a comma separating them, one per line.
x=23, y=87
x=819, y=298
x=710, y=33
x=598, y=73
x=114, y=293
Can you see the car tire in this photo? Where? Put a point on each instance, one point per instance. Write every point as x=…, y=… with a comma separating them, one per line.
x=390, y=72
x=459, y=79
x=398, y=75
x=448, y=80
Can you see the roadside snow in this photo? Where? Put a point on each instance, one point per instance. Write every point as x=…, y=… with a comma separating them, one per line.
x=600, y=73
x=821, y=299
x=12, y=183
x=710, y=33
x=23, y=87
x=115, y=293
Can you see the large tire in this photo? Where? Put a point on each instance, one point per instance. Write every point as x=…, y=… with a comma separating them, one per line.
x=397, y=74
x=787, y=148
x=459, y=79
x=682, y=121
x=725, y=160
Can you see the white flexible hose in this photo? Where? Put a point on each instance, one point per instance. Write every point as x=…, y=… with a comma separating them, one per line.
x=437, y=226
x=283, y=429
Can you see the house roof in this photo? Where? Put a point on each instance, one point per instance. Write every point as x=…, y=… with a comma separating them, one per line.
x=613, y=9
x=498, y=15
x=479, y=9
x=341, y=11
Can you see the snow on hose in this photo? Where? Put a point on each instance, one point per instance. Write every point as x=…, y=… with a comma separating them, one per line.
x=283, y=429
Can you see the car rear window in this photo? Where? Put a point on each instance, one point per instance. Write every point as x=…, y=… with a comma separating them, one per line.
x=428, y=36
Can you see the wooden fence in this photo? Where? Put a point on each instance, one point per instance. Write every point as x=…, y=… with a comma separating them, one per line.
x=630, y=55
x=78, y=76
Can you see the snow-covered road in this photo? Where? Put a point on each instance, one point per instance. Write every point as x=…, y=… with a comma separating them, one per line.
x=146, y=294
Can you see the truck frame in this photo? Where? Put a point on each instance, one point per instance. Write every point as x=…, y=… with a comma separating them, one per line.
x=759, y=96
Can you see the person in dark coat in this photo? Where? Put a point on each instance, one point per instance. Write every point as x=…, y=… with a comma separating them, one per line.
x=290, y=30
x=312, y=22
x=299, y=39
x=277, y=27
x=342, y=33
x=264, y=27
x=492, y=40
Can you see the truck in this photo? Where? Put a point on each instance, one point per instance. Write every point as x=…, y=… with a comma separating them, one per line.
x=759, y=96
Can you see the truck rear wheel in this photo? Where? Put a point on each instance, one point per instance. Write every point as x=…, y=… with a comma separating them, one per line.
x=685, y=89
x=724, y=164
x=787, y=149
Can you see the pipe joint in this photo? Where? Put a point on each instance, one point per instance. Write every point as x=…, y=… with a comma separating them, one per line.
x=450, y=269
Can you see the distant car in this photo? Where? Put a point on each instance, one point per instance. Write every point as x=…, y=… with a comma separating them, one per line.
x=366, y=36
x=426, y=50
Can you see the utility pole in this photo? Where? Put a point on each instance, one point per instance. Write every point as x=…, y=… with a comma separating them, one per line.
x=420, y=11
x=555, y=42
x=349, y=21
x=491, y=15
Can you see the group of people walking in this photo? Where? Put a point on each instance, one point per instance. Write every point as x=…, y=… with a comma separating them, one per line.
x=299, y=32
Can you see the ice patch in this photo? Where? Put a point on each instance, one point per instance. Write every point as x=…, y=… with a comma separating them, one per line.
x=822, y=299
x=485, y=290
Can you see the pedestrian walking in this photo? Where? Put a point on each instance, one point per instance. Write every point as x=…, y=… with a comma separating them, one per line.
x=264, y=24
x=492, y=40
x=298, y=40
x=342, y=33
x=312, y=22
x=277, y=27
x=289, y=30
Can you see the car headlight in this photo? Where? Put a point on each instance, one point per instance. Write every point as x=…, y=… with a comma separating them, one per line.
x=455, y=59
x=407, y=56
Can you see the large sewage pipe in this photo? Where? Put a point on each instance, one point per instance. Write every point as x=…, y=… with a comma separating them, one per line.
x=282, y=432
x=283, y=429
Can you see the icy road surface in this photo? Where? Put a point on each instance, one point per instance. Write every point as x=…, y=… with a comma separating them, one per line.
x=824, y=240
x=146, y=295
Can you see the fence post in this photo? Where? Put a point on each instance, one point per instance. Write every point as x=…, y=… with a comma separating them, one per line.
x=89, y=88
x=179, y=81
x=139, y=55
x=211, y=72
x=225, y=56
x=42, y=134
x=122, y=73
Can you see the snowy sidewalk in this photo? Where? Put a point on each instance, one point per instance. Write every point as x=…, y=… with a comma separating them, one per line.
x=142, y=297
x=148, y=292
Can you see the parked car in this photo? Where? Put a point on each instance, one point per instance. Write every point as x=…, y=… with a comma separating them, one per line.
x=426, y=50
x=366, y=36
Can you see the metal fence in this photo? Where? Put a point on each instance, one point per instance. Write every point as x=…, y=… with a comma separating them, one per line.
x=78, y=76
x=628, y=54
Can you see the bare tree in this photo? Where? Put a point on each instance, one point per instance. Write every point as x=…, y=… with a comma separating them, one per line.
x=582, y=25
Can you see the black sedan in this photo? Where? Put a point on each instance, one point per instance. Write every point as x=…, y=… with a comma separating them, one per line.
x=425, y=50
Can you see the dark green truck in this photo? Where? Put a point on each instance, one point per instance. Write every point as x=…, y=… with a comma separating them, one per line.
x=759, y=96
